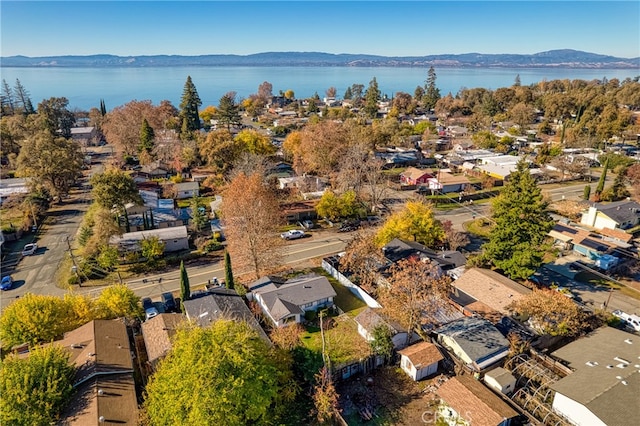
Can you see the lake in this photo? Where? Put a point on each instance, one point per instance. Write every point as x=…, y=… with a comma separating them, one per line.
x=84, y=87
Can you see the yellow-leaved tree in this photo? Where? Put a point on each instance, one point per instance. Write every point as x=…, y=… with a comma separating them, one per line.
x=415, y=222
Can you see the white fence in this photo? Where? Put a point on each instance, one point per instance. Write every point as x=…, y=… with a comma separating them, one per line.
x=328, y=265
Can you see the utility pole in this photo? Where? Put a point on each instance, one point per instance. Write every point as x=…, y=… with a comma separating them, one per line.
x=74, y=268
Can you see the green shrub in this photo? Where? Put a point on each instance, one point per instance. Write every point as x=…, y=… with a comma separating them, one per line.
x=310, y=315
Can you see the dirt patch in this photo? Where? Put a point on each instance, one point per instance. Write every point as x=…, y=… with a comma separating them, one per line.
x=385, y=397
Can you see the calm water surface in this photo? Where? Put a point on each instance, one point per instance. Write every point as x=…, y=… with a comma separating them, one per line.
x=84, y=87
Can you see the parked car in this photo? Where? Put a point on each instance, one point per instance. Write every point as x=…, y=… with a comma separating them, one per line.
x=29, y=249
x=629, y=320
x=150, y=310
x=294, y=234
x=169, y=302
x=6, y=283
x=308, y=224
x=349, y=226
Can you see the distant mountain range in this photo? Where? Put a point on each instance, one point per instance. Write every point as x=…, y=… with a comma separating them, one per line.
x=565, y=58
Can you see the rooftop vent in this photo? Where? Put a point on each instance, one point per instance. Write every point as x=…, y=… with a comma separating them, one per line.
x=621, y=360
x=628, y=341
x=592, y=363
x=624, y=382
x=609, y=366
x=76, y=346
x=621, y=365
x=100, y=392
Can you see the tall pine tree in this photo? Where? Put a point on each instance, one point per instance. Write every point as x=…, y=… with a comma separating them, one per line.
x=147, y=135
x=431, y=91
x=228, y=272
x=185, y=289
x=517, y=243
x=189, y=107
x=371, y=98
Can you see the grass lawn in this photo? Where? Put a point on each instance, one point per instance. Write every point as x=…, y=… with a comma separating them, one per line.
x=345, y=299
x=342, y=341
x=480, y=227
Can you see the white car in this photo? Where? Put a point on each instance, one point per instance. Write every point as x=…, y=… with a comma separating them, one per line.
x=294, y=234
x=29, y=249
x=630, y=320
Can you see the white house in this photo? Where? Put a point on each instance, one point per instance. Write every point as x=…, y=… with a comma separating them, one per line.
x=286, y=302
x=175, y=239
x=617, y=215
x=370, y=318
x=605, y=384
x=420, y=360
x=500, y=380
x=187, y=190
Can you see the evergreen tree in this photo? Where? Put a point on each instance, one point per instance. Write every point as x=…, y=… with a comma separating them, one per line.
x=618, y=190
x=23, y=100
x=603, y=177
x=347, y=93
x=189, y=107
x=371, y=98
x=587, y=192
x=103, y=108
x=228, y=111
x=517, y=82
x=8, y=101
x=432, y=93
x=517, y=243
x=312, y=106
x=185, y=290
x=228, y=272
x=147, y=135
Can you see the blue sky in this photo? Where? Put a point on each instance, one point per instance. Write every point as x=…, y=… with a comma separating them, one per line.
x=412, y=28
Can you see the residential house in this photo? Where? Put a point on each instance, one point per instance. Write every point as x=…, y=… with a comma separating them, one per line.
x=398, y=249
x=221, y=303
x=175, y=239
x=154, y=171
x=13, y=186
x=463, y=146
x=488, y=287
x=186, y=190
x=397, y=157
x=445, y=182
x=457, y=131
x=582, y=241
x=85, y=136
x=617, y=215
x=299, y=210
x=152, y=219
x=287, y=302
x=475, y=341
x=413, y=176
x=420, y=360
x=604, y=386
x=467, y=401
x=104, y=384
x=500, y=380
x=157, y=333
x=370, y=318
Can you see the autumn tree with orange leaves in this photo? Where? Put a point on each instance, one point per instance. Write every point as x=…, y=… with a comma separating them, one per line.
x=251, y=215
x=552, y=312
x=415, y=293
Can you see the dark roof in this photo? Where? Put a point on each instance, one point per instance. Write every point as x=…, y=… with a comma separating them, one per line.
x=477, y=337
x=606, y=379
x=221, y=303
x=398, y=249
x=287, y=298
x=621, y=211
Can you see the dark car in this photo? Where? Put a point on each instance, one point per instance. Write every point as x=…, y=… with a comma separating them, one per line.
x=349, y=226
x=169, y=302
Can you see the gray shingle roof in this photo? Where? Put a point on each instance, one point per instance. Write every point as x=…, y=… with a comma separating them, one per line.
x=293, y=294
x=477, y=337
x=221, y=303
x=606, y=379
x=621, y=211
